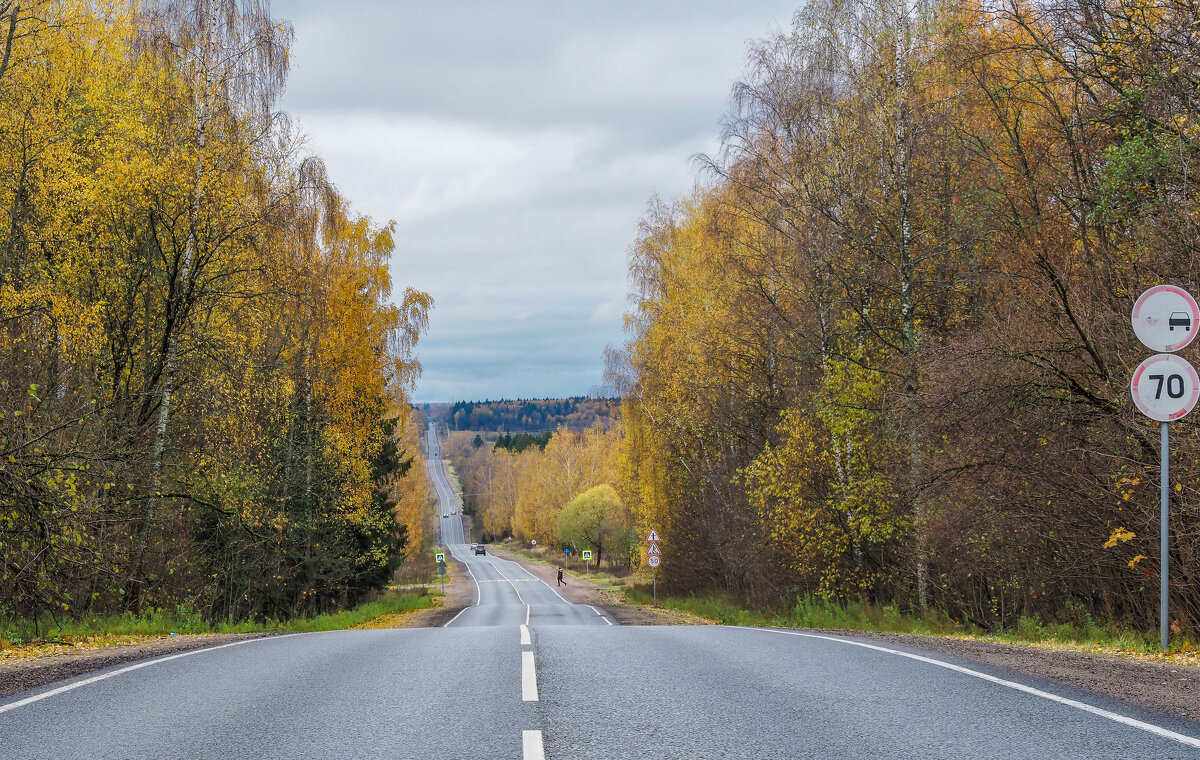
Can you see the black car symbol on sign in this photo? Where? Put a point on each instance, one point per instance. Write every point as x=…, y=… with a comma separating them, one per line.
x=1179, y=319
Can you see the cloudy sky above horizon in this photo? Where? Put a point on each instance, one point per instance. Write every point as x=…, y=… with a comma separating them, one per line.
x=516, y=145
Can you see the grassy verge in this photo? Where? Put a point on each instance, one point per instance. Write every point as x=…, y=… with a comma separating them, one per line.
x=101, y=631
x=863, y=616
x=605, y=579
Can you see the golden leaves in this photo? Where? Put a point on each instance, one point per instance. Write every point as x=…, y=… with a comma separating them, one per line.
x=1119, y=536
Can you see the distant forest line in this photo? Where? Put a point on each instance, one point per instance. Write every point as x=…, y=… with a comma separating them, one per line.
x=524, y=415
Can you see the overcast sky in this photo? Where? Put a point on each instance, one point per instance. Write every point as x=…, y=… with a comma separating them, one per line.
x=516, y=145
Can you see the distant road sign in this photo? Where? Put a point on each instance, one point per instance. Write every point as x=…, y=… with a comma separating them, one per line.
x=1165, y=318
x=440, y=557
x=653, y=549
x=653, y=535
x=1165, y=387
x=653, y=561
x=587, y=553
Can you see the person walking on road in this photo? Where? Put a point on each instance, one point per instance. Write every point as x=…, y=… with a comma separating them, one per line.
x=560, y=580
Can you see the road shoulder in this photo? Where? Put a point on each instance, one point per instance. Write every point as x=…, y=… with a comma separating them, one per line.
x=1171, y=688
x=31, y=672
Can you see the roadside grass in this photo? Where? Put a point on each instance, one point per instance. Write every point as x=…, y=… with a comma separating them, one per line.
x=104, y=631
x=453, y=478
x=609, y=580
x=859, y=615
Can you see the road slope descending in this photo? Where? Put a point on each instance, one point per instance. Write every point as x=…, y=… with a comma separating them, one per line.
x=523, y=673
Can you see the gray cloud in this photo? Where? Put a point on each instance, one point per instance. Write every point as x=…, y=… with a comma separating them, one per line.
x=515, y=145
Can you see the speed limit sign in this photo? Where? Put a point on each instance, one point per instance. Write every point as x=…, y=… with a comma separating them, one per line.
x=1165, y=387
x=653, y=561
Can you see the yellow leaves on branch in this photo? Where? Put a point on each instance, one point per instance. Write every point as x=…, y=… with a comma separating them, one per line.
x=1119, y=536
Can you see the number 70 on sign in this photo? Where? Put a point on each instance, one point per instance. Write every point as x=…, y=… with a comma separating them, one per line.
x=1165, y=387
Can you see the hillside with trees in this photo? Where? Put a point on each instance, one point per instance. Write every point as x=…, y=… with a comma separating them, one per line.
x=204, y=376
x=524, y=415
x=886, y=353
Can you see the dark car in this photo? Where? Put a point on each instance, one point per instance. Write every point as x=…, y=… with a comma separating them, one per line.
x=480, y=549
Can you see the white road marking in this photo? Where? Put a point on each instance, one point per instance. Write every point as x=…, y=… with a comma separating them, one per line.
x=528, y=612
x=451, y=620
x=478, y=595
x=529, y=691
x=1115, y=717
x=601, y=614
x=525, y=635
x=127, y=669
x=535, y=578
x=531, y=743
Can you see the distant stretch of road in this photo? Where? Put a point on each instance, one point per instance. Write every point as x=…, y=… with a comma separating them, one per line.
x=506, y=593
x=523, y=673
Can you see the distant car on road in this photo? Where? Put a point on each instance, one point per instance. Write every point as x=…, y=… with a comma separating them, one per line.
x=454, y=511
x=445, y=515
x=480, y=549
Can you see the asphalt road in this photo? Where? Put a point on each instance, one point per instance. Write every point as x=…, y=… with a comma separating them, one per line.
x=525, y=674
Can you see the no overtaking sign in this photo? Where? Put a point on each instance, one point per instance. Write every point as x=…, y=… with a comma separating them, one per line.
x=1165, y=388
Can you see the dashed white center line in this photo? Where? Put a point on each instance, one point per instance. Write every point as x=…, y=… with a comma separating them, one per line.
x=525, y=635
x=529, y=692
x=532, y=745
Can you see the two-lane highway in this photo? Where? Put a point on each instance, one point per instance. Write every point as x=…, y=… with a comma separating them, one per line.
x=523, y=673
x=506, y=593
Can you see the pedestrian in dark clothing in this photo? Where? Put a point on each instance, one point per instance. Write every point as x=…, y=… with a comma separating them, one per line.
x=560, y=580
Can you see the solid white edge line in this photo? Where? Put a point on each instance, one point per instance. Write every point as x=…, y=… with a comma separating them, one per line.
x=478, y=594
x=451, y=620
x=601, y=614
x=528, y=612
x=128, y=668
x=531, y=746
x=1115, y=717
x=525, y=641
x=529, y=692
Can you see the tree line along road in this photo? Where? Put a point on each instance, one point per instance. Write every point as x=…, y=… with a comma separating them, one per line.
x=524, y=673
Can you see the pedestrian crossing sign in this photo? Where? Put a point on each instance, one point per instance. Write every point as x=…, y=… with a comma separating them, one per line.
x=587, y=553
x=440, y=556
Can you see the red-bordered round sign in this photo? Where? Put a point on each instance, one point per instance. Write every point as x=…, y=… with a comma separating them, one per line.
x=1165, y=318
x=1165, y=387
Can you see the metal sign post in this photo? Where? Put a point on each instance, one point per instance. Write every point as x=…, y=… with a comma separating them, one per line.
x=1164, y=561
x=1165, y=387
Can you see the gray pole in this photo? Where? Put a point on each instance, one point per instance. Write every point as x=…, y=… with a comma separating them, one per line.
x=1164, y=531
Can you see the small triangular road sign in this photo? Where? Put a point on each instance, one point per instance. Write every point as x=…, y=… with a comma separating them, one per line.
x=653, y=535
x=654, y=549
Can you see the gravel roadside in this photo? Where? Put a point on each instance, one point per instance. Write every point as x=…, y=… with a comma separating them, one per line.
x=32, y=672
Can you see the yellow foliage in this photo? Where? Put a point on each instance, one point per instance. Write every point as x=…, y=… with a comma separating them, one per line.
x=1119, y=536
